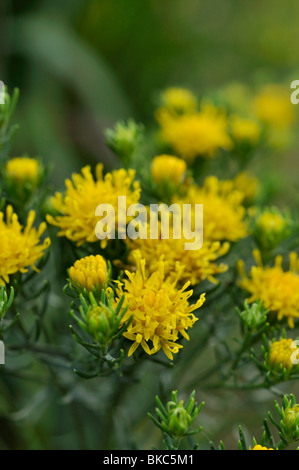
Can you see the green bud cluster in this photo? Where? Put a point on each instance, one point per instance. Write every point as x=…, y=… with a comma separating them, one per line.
x=176, y=418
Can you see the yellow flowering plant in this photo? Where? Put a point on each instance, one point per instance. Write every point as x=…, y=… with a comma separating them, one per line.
x=100, y=280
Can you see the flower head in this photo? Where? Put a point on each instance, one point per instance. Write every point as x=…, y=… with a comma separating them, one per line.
x=270, y=227
x=167, y=168
x=273, y=107
x=277, y=289
x=280, y=355
x=76, y=219
x=223, y=212
x=21, y=247
x=160, y=311
x=89, y=273
x=196, y=265
x=21, y=169
x=179, y=100
x=196, y=134
x=245, y=130
x=247, y=184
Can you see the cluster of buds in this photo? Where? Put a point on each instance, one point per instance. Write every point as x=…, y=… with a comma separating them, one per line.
x=124, y=139
x=288, y=427
x=253, y=317
x=101, y=318
x=176, y=418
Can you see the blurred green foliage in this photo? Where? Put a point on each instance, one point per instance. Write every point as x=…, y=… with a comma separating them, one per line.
x=81, y=65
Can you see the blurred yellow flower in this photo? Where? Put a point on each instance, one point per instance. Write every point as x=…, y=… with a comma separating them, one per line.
x=245, y=130
x=90, y=272
x=277, y=289
x=21, y=247
x=21, y=169
x=196, y=134
x=168, y=168
x=76, y=219
x=273, y=107
x=247, y=184
x=271, y=222
x=179, y=100
x=160, y=311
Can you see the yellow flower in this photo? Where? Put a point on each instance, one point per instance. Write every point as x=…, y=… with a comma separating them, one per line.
x=21, y=169
x=277, y=289
x=273, y=107
x=195, y=134
x=160, y=311
x=271, y=222
x=223, y=212
x=270, y=227
x=196, y=265
x=248, y=185
x=292, y=415
x=179, y=100
x=77, y=220
x=259, y=447
x=90, y=272
x=280, y=354
x=245, y=130
x=168, y=168
x=20, y=246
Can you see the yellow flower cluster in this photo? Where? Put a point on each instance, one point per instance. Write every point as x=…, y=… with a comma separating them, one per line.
x=161, y=312
x=76, y=219
x=179, y=100
x=195, y=134
x=197, y=265
x=277, y=289
x=271, y=222
x=90, y=272
x=247, y=184
x=280, y=353
x=22, y=169
x=245, y=130
x=21, y=247
x=272, y=106
x=168, y=168
x=223, y=212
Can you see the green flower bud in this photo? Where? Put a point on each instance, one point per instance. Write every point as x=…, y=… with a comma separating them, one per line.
x=123, y=139
x=254, y=316
x=100, y=322
x=179, y=421
x=290, y=423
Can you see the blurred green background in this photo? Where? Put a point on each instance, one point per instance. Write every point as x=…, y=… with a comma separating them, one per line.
x=81, y=65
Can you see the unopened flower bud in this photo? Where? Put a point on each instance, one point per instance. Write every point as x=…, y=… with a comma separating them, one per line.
x=179, y=421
